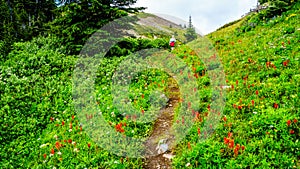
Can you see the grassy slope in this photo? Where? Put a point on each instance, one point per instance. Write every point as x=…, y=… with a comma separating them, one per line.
x=260, y=127
x=45, y=93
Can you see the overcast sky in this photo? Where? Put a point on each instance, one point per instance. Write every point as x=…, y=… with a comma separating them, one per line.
x=207, y=15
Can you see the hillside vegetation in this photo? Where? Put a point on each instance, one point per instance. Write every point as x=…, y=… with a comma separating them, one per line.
x=259, y=127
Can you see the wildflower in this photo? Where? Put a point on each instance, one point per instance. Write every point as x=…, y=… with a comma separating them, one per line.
x=236, y=82
x=119, y=128
x=59, y=153
x=229, y=134
x=143, y=96
x=231, y=143
x=236, y=151
x=43, y=145
x=295, y=120
x=52, y=151
x=80, y=128
x=292, y=131
x=240, y=107
x=63, y=123
x=89, y=145
x=143, y=111
x=275, y=105
x=225, y=119
x=254, y=112
x=288, y=122
x=51, y=119
x=256, y=92
x=70, y=141
x=243, y=147
x=45, y=156
x=285, y=63
x=57, y=145
x=238, y=146
x=234, y=105
x=76, y=150
x=73, y=117
x=252, y=101
x=226, y=140
x=199, y=132
x=189, y=145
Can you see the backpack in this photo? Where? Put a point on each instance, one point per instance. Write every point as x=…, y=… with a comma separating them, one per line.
x=172, y=44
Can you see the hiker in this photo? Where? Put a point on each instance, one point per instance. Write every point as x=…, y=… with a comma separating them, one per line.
x=172, y=42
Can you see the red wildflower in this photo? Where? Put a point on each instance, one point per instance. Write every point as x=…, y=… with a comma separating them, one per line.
x=143, y=111
x=51, y=119
x=225, y=119
x=52, y=151
x=275, y=105
x=256, y=92
x=268, y=64
x=252, y=101
x=292, y=131
x=45, y=156
x=80, y=128
x=89, y=145
x=232, y=87
x=226, y=140
x=236, y=151
x=73, y=117
x=285, y=63
x=240, y=107
x=231, y=143
x=69, y=141
x=63, y=123
x=234, y=105
x=282, y=43
x=288, y=122
x=229, y=134
x=189, y=145
x=199, y=132
x=119, y=128
x=57, y=145
x=236, y=82
x=243, y=147
x=238, y=146
x=295, y=120
x=143, y=96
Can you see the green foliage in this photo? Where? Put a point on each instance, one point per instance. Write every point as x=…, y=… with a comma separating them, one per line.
x=35, y=85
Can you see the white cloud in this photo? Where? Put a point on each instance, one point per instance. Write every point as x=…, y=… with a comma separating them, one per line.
x=207, y=15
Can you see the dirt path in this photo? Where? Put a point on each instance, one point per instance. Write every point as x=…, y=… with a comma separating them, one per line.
x=161, y=131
